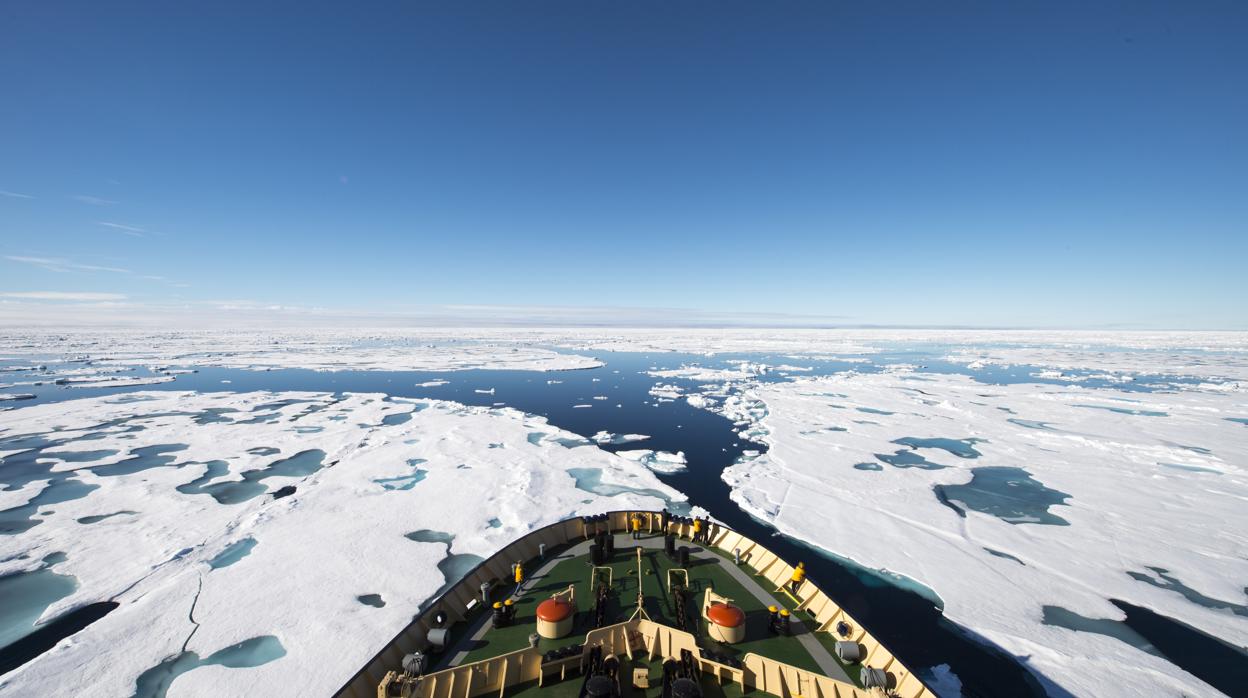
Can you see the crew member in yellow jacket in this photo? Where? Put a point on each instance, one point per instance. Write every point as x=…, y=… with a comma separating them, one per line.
x=799, y=576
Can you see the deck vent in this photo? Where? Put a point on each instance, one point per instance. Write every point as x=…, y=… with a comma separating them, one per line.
x=848, y=651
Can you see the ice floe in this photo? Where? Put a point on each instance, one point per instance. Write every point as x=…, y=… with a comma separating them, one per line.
x=666, y=392
x=118, y=381
x=322, y=350
x=146, y=531
x=1002, y=516
x=606, y=437
x=658, y=461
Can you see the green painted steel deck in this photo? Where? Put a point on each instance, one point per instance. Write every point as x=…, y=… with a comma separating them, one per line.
x=476, y=640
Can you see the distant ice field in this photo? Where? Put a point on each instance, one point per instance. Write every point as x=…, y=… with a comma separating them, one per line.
x=1101, y=481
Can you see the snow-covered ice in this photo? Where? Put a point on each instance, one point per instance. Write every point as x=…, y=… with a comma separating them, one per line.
x=1076, y=495
x=311, y=555
x=606, y=437
x=119, y=381
x=1014, y=504
x=658, y=461
x=321, y=350
x=666, y=391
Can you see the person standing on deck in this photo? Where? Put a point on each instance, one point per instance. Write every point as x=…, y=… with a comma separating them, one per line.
x=636, y=525
x=799, y=575
x=697, y=530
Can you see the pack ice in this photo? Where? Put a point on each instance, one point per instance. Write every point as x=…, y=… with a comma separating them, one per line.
x=1020, y=505
x=268, y=543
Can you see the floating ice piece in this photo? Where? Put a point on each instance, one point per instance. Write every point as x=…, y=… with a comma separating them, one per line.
x=579, y=407
x=668, y=392
x=658, y=461
x=433, y=383
x=606, y=437
x=16, y=396
x=119, y=382
x=699, y=401
x=484, y=392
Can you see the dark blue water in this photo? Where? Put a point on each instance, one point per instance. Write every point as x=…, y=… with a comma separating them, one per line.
x=908, y=622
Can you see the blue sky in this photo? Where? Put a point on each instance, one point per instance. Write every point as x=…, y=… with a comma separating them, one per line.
x=952, y=163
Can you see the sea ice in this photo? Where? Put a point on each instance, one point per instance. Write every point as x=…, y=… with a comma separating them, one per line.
x=606, y=437
x=962, y=527
x=658, y=461
x=290, y=568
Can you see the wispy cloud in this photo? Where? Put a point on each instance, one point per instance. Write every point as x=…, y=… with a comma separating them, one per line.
x=63, y=265
x=63, y=296
x=249, y=305
x=93, y=200
x=126, y=229
x=15, y=195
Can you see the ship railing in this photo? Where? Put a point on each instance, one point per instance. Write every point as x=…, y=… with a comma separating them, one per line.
x=635, y=638
x=455, y=602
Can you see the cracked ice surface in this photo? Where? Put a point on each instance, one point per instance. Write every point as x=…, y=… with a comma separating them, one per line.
x=308, y=556
x=1129, y=509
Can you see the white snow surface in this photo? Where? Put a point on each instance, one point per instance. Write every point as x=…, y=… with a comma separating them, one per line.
x=1216, y=355
x=321, y=350
x=339, y=536
x=1127, y=511
x=606, y=437
x=658, y=461
x=120, y=382
x=666, y=391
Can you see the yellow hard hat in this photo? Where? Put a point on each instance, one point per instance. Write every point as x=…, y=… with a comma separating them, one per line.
x=498, y=604
x=509, y=602
x=784, y=612
x=772, y=608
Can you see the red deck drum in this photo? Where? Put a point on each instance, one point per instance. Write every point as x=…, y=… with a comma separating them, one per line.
x=727, y=622
x=554, y=618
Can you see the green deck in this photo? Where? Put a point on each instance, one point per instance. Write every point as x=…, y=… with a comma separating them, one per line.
x=704, y=570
